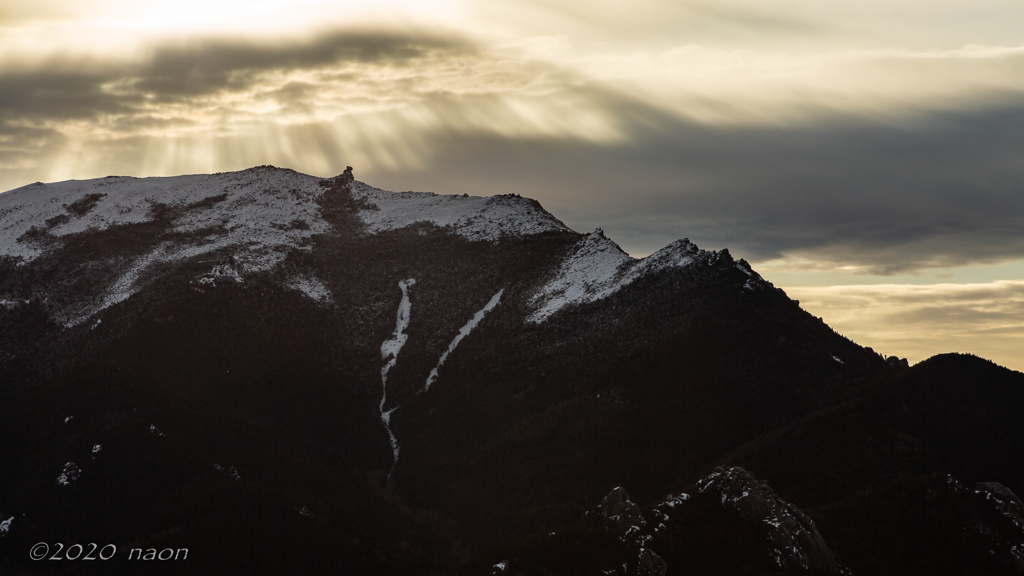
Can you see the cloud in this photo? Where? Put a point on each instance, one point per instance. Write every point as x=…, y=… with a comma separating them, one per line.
x=842, y=192
x=15, y=12
x=67, y=87
x=772, y=162
x=790, y=25
x=202, y=67
x=920, y=321
x=800, y=134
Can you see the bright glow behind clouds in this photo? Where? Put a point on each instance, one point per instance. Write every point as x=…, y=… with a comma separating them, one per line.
x=873, y=136
x=923, y=320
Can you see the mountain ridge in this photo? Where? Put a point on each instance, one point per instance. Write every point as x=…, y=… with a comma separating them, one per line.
x=416, y=383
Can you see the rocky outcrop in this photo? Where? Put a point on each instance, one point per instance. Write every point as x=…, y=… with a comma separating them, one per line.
x=1009, y=506
x=993, y=519
x=623, y=518
x=792, y=538
x=621, y=514
x=733, y=524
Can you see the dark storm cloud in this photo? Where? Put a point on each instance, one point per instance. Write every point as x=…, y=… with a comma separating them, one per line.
x=75, y=89
x=59, y=92
x=214, y=65
x=943, y=189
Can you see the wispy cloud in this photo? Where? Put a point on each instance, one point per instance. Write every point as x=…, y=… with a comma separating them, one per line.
x=65, y=87
x=918, y=321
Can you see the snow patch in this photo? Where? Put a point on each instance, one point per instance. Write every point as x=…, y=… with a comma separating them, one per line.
x=313, y=288
x=262, y=206
x=463, y=332
x=225, y=271
x=599, y=268
x=69, y=419
x=69, y=475
x=261, y=213
x=473, y=217
x=121, y=290
x=5, y=526
x=230, y=471
x=389, y=352
x=674, y=500
x=96, y=449
x=836, y=358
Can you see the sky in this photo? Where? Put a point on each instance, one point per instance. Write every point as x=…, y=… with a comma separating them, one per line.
x=865, y=156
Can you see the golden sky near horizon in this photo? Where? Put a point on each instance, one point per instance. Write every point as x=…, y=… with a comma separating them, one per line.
x=866, y=156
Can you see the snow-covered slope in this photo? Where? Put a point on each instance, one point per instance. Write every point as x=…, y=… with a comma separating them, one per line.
x=599, y=268
x=245, y=221
x=266, y=209
x=474, y=217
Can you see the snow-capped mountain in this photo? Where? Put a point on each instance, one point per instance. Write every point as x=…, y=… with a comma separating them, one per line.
x=281, y=372
x=258, y=216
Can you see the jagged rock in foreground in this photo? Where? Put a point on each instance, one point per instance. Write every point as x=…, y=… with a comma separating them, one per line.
x=292, y=374
x=731, y=524
x=994, y=520
x=622, y=517
x=790, y=538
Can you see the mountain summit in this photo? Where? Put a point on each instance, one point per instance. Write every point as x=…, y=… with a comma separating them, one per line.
x=283, y=373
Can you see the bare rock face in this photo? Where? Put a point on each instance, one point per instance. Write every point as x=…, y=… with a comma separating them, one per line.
x=621, y=513
x=732, y=523
x=1004, y=498
x=998, y=518
x=623, y=518
x=793, y=539
x=1011, y=509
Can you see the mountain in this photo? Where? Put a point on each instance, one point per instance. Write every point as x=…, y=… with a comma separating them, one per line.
x=274, y=372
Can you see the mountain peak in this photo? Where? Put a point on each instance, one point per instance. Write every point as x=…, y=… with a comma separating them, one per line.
x=473, y=217
x=334, y=326
x=275, y=208
x=598, y=268
x=257, y=216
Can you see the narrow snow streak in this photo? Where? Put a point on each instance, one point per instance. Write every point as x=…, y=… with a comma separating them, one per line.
x=463, y=332
x=389, y=351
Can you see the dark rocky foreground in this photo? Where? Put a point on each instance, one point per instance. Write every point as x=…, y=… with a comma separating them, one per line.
x=694, y=420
